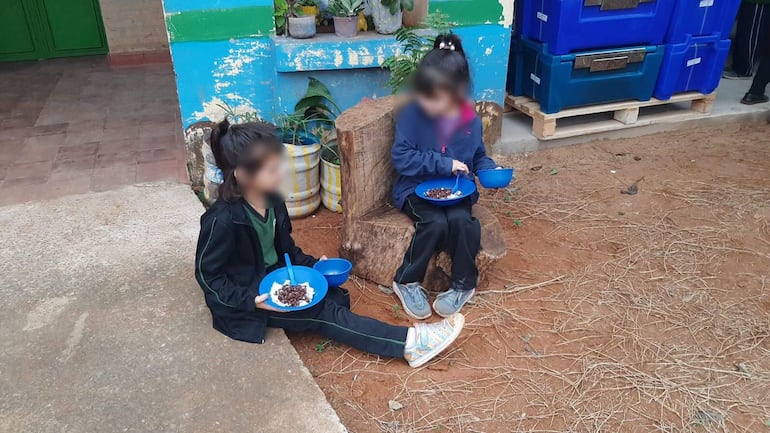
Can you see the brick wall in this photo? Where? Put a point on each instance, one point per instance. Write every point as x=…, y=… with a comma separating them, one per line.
x=134, y=25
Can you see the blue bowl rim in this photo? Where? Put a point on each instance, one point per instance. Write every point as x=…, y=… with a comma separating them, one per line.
x=334, y=259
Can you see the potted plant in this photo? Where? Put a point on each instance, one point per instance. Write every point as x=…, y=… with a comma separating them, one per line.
x=308, y=7
x=331, y=178
x=345, y=14
x=300, y=26
x=316, y=109
x=414, y=17
x=387, y=14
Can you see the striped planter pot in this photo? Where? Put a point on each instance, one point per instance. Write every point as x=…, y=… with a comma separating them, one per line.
x=303, y=183
x=331, y=186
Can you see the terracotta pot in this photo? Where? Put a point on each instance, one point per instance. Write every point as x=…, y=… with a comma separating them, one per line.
x=385, y=22
x=346, y=27
x=414, y=17
x=302, y=27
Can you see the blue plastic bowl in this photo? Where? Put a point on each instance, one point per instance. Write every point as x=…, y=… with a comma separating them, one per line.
x=336, y=271
x=303, y=274
x=499, y=178
x=467, y=187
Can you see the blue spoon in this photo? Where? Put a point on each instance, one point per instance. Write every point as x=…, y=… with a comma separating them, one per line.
x=457, y=184
x=290, y=269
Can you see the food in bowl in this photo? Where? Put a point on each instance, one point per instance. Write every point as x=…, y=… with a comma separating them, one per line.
x=442, y=194
x=288, y=295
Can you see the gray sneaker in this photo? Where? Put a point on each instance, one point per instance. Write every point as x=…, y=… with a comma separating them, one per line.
x=414, y=299
x=730, y=74
x=451, y=301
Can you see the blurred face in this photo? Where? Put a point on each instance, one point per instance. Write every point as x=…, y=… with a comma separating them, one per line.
x=267, y=179
x=441, y=103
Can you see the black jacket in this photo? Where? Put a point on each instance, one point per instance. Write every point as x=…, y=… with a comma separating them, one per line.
x=229, y=266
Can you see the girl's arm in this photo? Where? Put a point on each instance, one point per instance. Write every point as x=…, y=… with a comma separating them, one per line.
x=408, y=160
x=215, y=244
x=480, y=159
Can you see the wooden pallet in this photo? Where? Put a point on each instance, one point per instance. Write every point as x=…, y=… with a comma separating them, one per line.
x=625, y=115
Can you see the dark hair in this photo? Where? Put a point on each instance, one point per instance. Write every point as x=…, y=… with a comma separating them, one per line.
x=244, y=146
x=444, y=67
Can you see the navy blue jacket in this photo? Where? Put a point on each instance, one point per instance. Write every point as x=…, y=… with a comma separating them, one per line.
x=229, y=266
x=419, y=156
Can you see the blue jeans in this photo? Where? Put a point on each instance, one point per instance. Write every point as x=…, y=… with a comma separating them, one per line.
x=333, y=319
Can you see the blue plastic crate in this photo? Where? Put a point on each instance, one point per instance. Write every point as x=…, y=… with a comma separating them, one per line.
x=695, y=65
x=572, y=25
x=702, y=17
x=584, y=78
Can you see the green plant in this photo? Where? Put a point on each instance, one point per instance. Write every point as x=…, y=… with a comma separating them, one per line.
x=315, y=107
x=280, y=14
x=415, y=43
x=330, y=152
x=396, y=5
x=345, y=8
x=323, y=344
x=396, y=311
x=236, y=117
x=307, y=3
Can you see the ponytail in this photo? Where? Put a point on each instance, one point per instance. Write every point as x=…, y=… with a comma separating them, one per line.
x=444, y=67
x=242, y=146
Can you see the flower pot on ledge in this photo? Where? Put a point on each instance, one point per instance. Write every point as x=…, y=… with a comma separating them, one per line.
x=302, y=27
x=346, y=27
x=385, y=22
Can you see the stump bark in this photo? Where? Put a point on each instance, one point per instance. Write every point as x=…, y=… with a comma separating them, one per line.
x=375, y=236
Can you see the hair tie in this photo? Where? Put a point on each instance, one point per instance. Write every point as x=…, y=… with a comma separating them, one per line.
x=446, y=46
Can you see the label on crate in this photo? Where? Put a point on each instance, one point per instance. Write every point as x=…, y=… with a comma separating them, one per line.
x=706, y=3
x=543, y=17
x=534, y=78
x=693, y=62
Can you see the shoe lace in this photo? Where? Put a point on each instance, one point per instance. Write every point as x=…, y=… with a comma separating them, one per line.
x=413, y=292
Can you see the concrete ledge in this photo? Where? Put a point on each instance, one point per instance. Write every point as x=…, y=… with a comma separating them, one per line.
x=330, y=52
x=517, y=128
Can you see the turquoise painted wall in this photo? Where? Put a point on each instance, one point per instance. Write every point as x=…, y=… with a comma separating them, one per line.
x=225, y=52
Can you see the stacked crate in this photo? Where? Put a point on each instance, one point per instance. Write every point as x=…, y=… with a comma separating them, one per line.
x=568, y=53
x=697, y=46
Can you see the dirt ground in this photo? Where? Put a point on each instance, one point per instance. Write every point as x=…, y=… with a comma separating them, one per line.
x=611, y=312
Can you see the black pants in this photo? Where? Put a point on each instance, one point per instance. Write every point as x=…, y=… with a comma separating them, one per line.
x=753, y=28
x=452, y=228
x=333, y=319
x=762, y=78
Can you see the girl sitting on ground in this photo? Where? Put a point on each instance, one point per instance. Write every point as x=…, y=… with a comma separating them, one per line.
x=244, y=236
x=438, y=135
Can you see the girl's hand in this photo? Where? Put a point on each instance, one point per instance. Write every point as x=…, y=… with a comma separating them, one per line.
x=322, y=258
x=260, y=303
x=459, y=167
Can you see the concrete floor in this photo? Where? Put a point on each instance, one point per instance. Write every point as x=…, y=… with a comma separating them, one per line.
x=517, y=128
x=103, y=327
x=75, y=125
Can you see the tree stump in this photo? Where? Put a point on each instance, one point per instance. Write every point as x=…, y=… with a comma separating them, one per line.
x=375, y=236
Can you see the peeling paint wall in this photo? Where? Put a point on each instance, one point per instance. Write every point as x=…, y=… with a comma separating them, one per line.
x=225, y=54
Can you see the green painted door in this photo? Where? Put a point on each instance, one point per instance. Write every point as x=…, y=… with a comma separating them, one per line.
x=40, y=29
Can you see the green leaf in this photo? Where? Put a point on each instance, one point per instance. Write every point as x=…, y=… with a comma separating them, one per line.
x=554, y=171
x=317, y=88
x=518, y=223
x=407, y=5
